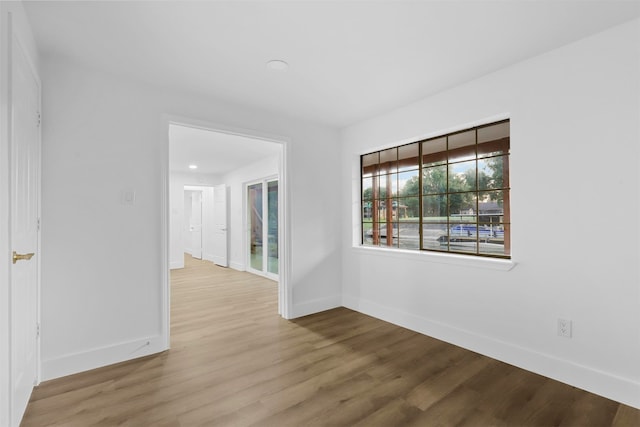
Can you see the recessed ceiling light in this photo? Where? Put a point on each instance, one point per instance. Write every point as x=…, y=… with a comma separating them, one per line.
x=277, y=65
x=193, y=166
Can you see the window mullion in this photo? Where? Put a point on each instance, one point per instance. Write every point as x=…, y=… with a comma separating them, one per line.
x=375, y=214
x=447, y=199
x=477, y=197
x=389, y=209
x=420, y=202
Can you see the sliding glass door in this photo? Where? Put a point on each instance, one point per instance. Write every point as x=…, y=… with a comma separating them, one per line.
x=262, y=226
x=255, y=226
x=272, y=228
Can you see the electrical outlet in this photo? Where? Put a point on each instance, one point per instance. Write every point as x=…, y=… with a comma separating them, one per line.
x=564, y=328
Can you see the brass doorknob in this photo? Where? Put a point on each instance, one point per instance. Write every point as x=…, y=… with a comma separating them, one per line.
x=17, y=257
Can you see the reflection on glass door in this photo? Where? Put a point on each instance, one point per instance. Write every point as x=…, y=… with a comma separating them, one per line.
x=263, y=227
x=272, y=210
x=255, y=226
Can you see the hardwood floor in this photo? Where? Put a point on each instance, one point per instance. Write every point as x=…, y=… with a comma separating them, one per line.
x=235, y=362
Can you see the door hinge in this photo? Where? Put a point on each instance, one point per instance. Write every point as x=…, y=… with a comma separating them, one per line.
x=37, y=330
x=38, y=118
x=38, y=224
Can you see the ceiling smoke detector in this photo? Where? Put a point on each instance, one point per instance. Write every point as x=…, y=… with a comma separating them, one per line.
x=277, y=65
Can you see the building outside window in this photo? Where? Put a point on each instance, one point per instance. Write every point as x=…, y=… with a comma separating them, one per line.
x=447, y=194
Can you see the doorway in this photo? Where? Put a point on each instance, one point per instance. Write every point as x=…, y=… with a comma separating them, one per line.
x=237, y=157
x=262, y=228
x=193, y=241
x=204, y=228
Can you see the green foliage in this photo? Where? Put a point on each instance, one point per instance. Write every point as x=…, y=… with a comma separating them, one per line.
x=493, y=180
x=462, y=189
x=367, y=194
x=434, y=180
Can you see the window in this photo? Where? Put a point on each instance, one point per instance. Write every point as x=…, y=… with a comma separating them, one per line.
x=445, y=194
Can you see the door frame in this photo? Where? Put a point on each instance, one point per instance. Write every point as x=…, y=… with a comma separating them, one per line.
x=284, y=233
x=246, y=226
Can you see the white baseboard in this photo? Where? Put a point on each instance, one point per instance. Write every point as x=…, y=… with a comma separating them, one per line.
x=602, y=383
x=208, y=257
x=176, y=264
x=315, y=306
x=221, y=261
x=237, y=266
x=99, y=357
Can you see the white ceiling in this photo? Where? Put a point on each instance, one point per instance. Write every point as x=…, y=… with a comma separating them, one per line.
x=214, y=152
x=349, y=60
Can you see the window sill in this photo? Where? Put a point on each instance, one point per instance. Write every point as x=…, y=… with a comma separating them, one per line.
x=440, y=258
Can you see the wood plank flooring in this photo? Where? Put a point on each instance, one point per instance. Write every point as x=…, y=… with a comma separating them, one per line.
x=235, y=362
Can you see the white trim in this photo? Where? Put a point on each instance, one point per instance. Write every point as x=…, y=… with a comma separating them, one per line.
x=230, y=130
x=440, y=258
x=284, y=291
x=595, y=381
x=285, y=219
x=316, y=306
x=175, y=265
x=39, y=242
x=102, y=356
x=237, y=266
x=165, y=242
x=5, y=217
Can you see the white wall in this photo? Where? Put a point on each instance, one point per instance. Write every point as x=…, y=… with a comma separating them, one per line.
x=235, y=181
x=177, y=218
x=574, y=137
x=22, y=31
x=101, y=263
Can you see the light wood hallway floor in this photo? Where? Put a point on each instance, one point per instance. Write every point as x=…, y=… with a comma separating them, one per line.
x=235, y=362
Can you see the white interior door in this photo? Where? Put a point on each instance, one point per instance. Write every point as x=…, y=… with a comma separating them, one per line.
x=25, y=197
x=196, y=224
x=220, y=225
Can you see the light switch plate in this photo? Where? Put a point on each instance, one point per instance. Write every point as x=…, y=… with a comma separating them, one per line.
x=129, y=197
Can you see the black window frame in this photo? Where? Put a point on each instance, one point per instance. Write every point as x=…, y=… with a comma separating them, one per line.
x=488, y=199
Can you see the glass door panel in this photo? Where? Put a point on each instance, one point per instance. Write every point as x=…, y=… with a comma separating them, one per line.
x=255, y=226
x=272, y=232
x=262, y=225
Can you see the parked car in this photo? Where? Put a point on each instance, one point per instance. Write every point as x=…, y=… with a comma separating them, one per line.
x=471, y=230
